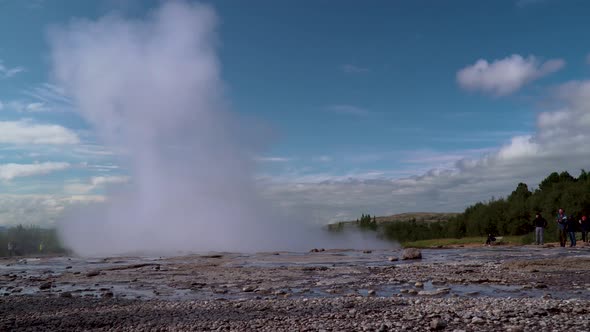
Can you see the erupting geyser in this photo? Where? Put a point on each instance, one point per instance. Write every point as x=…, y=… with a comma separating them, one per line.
x=151, y=89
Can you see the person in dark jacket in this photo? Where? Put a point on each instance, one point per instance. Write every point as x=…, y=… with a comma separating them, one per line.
x=490, y=240
x=540, y=224
x=571, y=230
x=584, y=227
x=561, y=224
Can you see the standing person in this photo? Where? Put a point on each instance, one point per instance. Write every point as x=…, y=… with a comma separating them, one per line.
x=490, y=240
x=540, y=225
x=584, y=226
x=571, y=230
x=10, y=249
x=561, y=225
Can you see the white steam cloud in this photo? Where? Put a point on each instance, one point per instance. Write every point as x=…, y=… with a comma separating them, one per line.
x=152, y=87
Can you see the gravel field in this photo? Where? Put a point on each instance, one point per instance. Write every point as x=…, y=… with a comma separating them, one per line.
x=466, y=289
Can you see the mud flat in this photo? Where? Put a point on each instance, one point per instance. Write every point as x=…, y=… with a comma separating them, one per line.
x=499, y=289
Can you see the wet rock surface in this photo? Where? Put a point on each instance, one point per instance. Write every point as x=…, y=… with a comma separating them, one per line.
x=411, y=253
x=487, y=289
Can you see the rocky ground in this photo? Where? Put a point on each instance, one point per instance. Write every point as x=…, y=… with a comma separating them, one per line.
x=503, y=289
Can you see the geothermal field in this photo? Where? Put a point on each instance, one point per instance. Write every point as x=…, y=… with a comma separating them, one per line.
x=461, y=289
x=187, y=158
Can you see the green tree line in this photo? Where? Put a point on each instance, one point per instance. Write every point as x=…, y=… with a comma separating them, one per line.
x=367, y=222
x=512, y=215
x=29, y=240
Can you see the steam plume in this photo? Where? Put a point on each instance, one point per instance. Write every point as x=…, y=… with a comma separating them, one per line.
x=152, y=88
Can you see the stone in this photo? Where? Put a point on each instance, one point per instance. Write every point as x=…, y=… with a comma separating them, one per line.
x=436, y=292
x=367, y=251
x=92, y=273
x=66, y=295
x=392, y=259
x=411, y=253
x=371, y=292
x=437, y=324
x=45, y=285
x=418, y=284
x=477, y=320
x=248, y=289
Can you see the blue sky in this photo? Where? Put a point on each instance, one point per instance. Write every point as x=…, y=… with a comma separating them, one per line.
x=350, y=96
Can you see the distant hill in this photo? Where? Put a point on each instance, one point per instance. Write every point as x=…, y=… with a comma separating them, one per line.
x=418, y=216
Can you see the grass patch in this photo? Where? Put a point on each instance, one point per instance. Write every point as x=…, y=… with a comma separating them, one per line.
x=462, y=241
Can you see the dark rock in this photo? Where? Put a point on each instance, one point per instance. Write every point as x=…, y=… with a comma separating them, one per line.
x=437, y=324
x=213, y=256
x=66, y=295
x=92, y=273
x=45, y=285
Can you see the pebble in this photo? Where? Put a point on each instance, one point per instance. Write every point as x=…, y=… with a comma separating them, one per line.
x=477, y=320
x=248, y=289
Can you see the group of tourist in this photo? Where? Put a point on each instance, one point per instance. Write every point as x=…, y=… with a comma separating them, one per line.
x=567, y=226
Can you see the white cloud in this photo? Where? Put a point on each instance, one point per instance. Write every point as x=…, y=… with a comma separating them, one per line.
x=348, y=109
x=35, y=107
x=273, y=159
x=353, y=69
x=505, y=76
x=323, y=159
x=27, y=132
x=94, y=183
x=52, y=97
x=11, y=171
x=35, y=4
x=40, y=209
x=27, y=107
x=8, y=72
